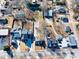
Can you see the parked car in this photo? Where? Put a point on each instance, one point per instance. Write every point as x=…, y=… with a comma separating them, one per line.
x=61, y=3
x=68, y=29
x=20, y=15
x=62, y=10
x=16, y=35
x=6, y=11
x=59, y=38
x=3, y=21
x=64, y=19
x=49, y=13
x=72, y=40
x=53, y=44
x=14, y=44
x=40, y=43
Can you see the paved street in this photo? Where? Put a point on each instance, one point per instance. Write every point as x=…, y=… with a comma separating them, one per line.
x=39, y=29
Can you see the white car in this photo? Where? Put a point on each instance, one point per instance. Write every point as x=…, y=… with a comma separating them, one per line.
x=73, y=42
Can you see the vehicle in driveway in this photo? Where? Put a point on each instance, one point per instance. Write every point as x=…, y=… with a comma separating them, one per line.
x=64, y=4
x=5, y=11
x=49, y=13
x=62, y=10
x=59, y=38
x=40, y=43
x=3, y=21
x=68, y=29
x=64, y=19
x=53, y=44
x=72, y=40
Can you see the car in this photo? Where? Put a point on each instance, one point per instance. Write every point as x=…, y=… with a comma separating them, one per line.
x=49, y=13
x=65, y=43
x=59, y=38
x=72, y=40
x=6, y=11
x=62, y=10
x=64, y=19
x=16, y=35
x=20, y=15
x=14, y=44
x=53, y=44
x=68, y=29
x=3, y=21
x=59, y=3
x=40, y=43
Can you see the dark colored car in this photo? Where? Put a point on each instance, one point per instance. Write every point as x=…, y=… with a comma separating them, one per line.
x=53, y=44
x=40, y=43
x=59, y=3
x=3, y=21
x=64, y=19
x=15, y=45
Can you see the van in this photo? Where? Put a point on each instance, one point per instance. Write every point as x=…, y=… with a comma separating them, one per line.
x=73, y=42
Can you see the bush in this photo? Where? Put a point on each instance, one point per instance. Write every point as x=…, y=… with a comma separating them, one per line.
x=6, y=48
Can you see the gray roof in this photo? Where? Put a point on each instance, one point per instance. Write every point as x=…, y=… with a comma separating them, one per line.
x=77, y=0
